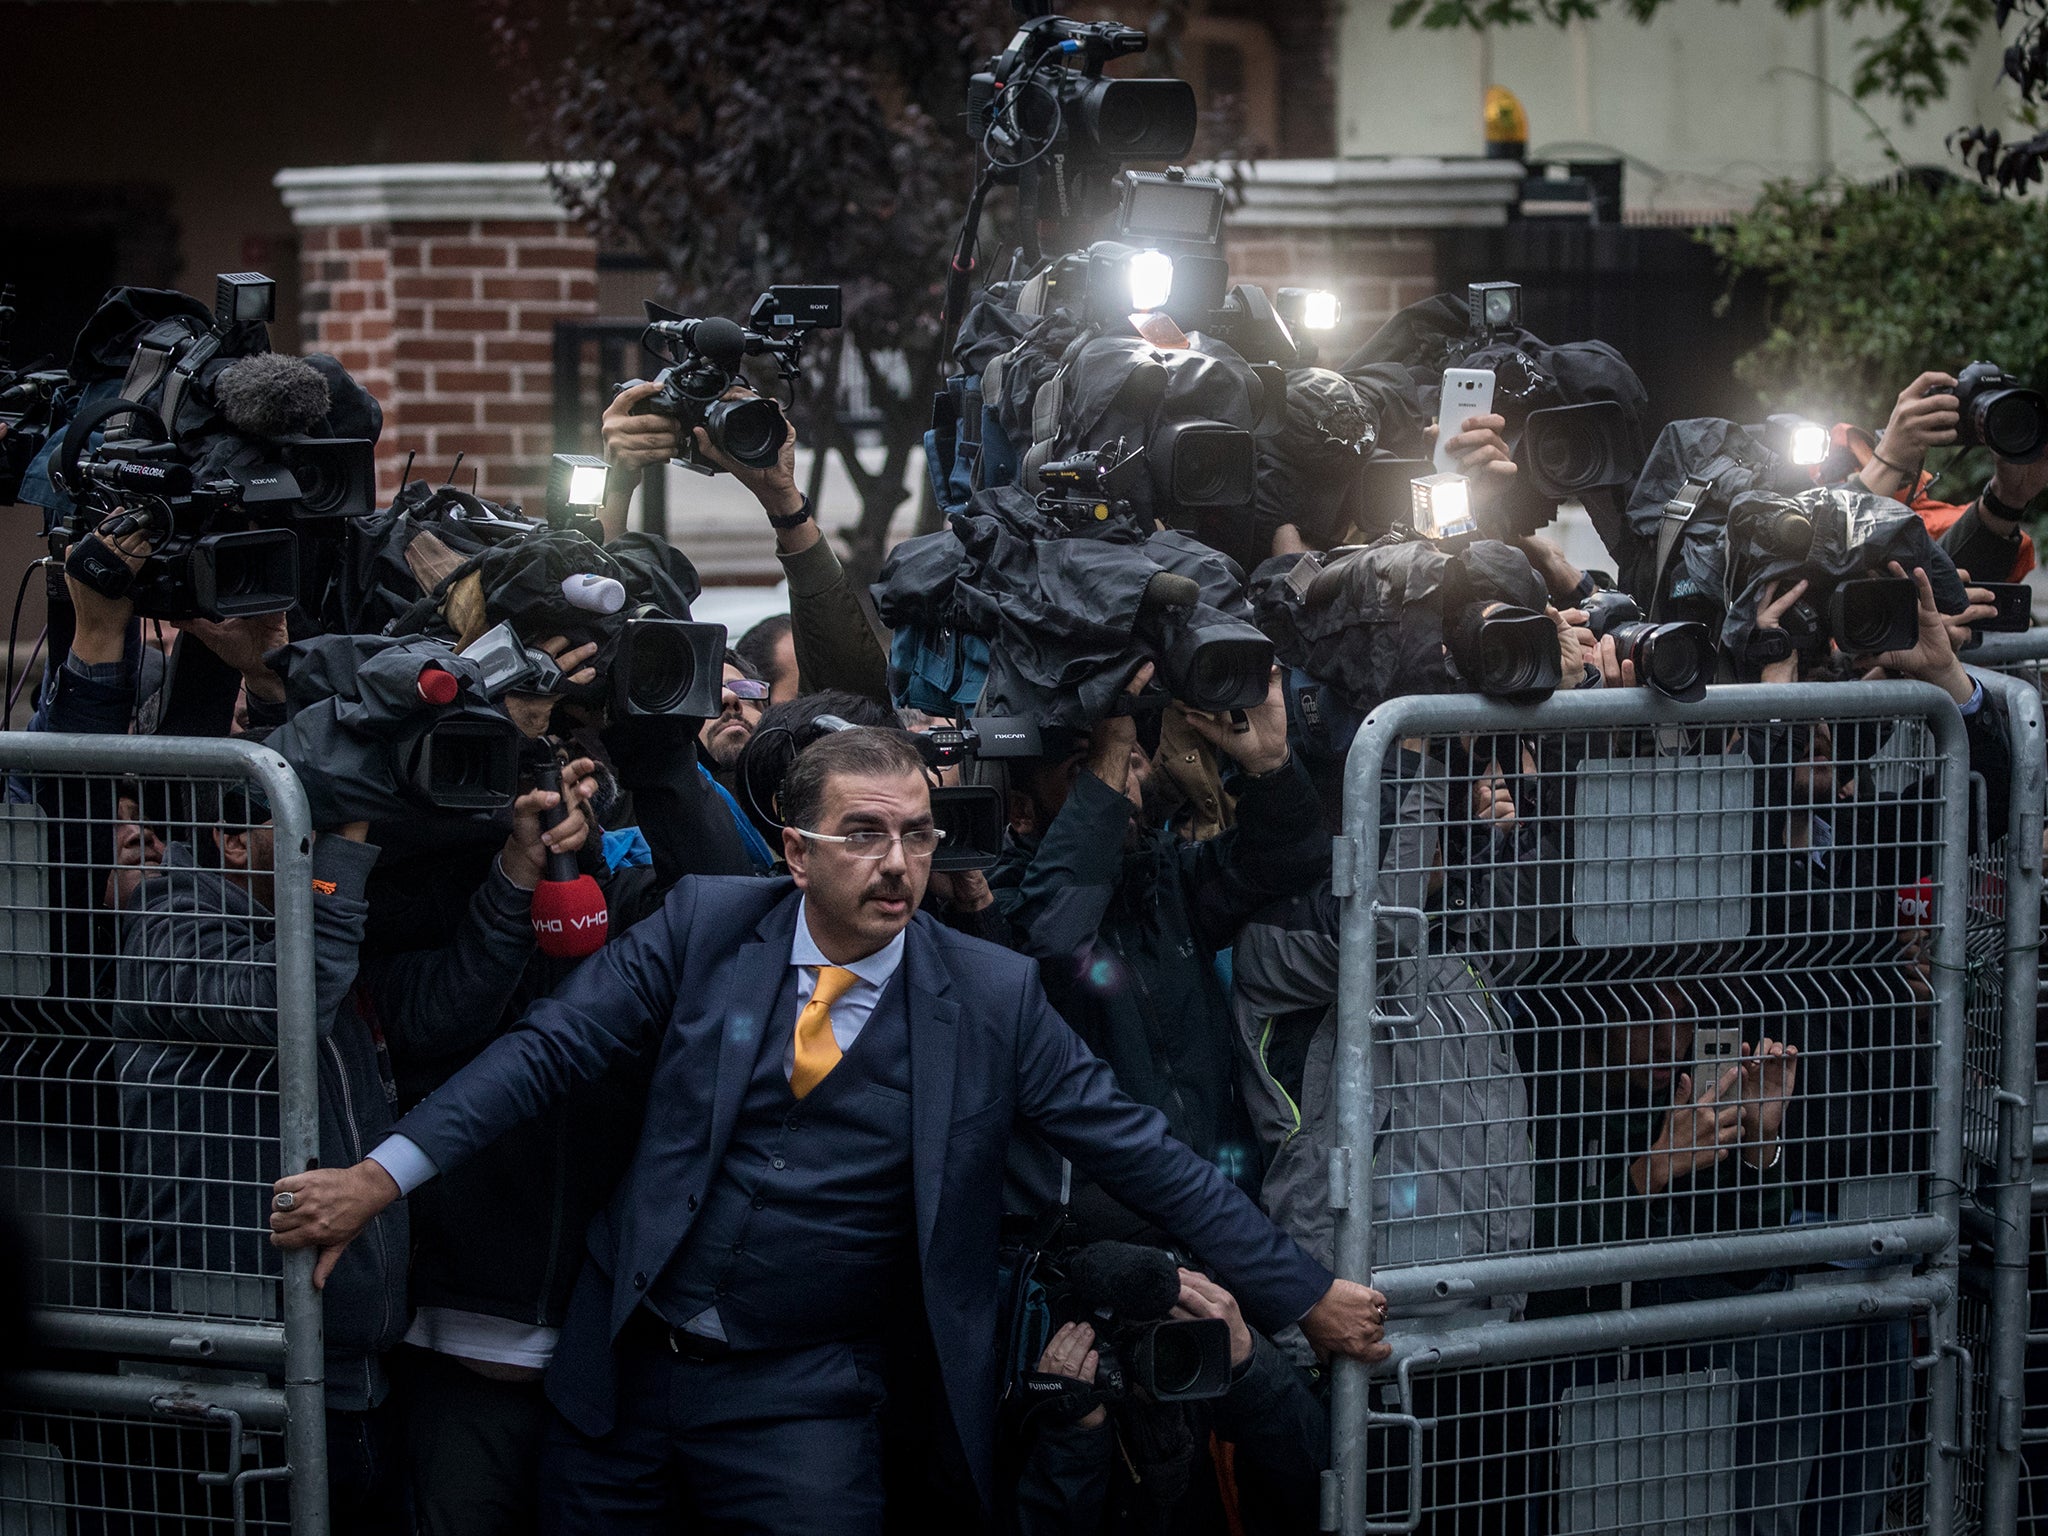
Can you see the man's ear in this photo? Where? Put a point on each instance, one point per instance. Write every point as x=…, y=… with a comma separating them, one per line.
x=234, y=848
x=794, y=851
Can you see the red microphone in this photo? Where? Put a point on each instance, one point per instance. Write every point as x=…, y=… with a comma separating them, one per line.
x=569, y=916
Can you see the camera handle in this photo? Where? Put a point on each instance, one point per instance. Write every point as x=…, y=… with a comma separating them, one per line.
x=91, y=420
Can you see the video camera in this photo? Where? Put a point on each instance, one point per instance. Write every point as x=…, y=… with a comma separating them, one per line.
x=28, y=400
x=1042, y=105
x=705, y=357
x=1847, y=604
x=1125, y=1293
x=222, y=528
x=659, y=666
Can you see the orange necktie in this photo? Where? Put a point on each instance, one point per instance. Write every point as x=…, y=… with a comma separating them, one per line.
x=817, y=1052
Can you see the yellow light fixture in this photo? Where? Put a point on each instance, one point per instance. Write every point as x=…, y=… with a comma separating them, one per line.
x=1506, y=124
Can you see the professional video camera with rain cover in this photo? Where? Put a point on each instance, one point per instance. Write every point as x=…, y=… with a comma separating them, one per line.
x=2000, y=413
x=705, y=358
x=625, y=597
x=384, y=729
x=28, y=404
x=1841, y=543
x=223, y=525
x=1125, y=1293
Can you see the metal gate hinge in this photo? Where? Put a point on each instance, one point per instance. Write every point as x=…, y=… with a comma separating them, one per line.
x=1346, y=860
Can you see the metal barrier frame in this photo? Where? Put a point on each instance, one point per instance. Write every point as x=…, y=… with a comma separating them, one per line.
x=1355, y=865
x=2012, y=1176
x=293, y=1349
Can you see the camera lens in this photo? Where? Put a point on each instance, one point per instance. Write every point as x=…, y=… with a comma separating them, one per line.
x=660, y=670
x=2012, y=425
x=1568, y=457
x=1871, y=617
x=1206, y=464
x=1675, y=659
x=1139, y=119
x=1507, y=652
x=1176, y=1360
x=750, y=431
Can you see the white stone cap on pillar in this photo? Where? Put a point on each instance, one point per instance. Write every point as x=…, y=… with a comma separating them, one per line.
x=1403, y=192
x=377, y=194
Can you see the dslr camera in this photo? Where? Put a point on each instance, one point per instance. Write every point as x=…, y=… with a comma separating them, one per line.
x=1675, y=659
x=1998, y=412
x=705, y=357
x=1863, y=615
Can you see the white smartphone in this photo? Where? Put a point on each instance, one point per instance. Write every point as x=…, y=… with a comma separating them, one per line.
x=1467, y=392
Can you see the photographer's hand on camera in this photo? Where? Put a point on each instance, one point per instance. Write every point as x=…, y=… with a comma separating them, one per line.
x=632, y=444
x=100, y=636
x=532, y=712
x=1924, y=417
x=1260, y=747
x=774, y=487
x=1202, y=1297
x=1778, y=603
x=1932, y=657
x=1071, y=1353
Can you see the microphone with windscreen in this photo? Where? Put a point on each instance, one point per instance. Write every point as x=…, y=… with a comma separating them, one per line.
x=1127, y=1293
x=570, y=919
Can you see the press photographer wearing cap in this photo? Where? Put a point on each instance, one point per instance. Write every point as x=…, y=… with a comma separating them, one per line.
x=837, y=644
x=837, y=1080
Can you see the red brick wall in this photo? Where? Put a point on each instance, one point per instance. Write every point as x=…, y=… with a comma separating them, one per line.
x=450, y=325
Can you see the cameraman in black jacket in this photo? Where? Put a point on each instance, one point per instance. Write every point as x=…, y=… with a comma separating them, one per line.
x=1147, y=1467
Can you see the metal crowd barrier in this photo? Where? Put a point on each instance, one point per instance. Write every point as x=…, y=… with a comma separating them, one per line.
x=2012, y=1277
x=1620, y=1303
x=155, y=1078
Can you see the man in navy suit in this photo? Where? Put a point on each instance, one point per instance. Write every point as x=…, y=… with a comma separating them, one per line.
x=834, y=1082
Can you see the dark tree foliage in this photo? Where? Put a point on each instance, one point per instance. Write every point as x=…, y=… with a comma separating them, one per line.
x=761, y=141
x=2015, y=166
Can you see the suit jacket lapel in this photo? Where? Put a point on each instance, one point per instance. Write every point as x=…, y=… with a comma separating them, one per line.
x=934, y=1024
x=754, y=982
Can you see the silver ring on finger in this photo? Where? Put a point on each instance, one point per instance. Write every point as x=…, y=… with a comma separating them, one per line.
x=283, y=1200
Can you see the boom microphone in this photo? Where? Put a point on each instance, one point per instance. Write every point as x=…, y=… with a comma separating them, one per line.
x=271, y=394
x=569, y=915
x=1132, y=1283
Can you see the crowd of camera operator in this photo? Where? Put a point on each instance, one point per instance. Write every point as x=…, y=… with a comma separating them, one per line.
x=1181, y=560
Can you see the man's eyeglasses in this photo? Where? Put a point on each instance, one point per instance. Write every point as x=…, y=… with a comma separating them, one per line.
x=746, y=688
x=918, y=843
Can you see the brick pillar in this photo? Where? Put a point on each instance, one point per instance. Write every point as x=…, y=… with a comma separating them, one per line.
x=439, y=287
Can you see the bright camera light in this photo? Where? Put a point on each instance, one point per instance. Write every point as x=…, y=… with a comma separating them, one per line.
x=1151, y=275
x=1443, y=506
x=1319, y=310
x=1809, y=443
x=586, y=486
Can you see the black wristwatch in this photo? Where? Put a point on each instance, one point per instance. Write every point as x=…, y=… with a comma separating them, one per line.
x=1998, y=508
x=795, y=519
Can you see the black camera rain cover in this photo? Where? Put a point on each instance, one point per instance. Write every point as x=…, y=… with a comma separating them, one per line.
x=522, y=585
x=1372, y=622
x=1702, y=447
x=916, y=585
x=1308, y=471
x=378, y=586
x=1061, y=613
x=110, y=336
x=1855, y=535
x=1530, y=374
x=655, y=572
x=349, y=700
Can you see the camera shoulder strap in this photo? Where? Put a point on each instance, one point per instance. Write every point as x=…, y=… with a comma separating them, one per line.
x=1678, y=512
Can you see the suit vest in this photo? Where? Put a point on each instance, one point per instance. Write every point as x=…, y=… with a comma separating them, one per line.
x=808, y=1233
